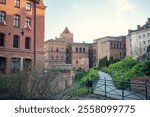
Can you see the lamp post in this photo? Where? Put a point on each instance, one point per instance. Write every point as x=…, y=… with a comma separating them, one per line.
x=34, y=46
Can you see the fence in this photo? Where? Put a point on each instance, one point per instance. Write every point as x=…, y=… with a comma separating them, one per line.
x=122, y=90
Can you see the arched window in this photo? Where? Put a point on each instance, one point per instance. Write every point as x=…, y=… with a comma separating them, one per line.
x=83, y=50
x=80, y=50
x=15, y=64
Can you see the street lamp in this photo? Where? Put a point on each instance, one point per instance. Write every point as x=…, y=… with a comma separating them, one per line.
x=35, y=3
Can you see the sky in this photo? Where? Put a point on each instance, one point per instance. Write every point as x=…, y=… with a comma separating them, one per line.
x=92, y=19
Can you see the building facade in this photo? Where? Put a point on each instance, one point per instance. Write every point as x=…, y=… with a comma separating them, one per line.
x=138, y=41
x=111, y=47
x=17, y=35
x=62, y=52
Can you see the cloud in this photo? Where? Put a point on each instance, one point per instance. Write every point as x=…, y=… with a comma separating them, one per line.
x=75, y=7
x=123, y=6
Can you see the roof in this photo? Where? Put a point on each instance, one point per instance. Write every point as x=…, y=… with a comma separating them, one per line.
x=66, y=30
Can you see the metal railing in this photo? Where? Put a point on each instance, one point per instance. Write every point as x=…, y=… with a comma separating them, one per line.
x=122, y=90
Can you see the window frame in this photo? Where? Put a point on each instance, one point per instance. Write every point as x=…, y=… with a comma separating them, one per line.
x=16, y=39
x=77, y=49
x=27, y=42
x=17, y=4
x=16, y=20
x=28, y=6
x=3, y=2
x=27, y=22
x=3, y=40
x=2, y=16
x=15, y=64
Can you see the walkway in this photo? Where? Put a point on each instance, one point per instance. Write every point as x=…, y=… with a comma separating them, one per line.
x=111, y=90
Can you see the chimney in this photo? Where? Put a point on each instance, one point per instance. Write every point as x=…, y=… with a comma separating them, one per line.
x=138, y=27
x=148, y=20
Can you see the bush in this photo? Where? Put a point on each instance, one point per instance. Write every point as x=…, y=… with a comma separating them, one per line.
x=84, y=84
x=105, y=69
x=127, y=68
x=79, y=91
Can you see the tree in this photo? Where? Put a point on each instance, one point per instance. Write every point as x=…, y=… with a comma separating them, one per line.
x=139, y=51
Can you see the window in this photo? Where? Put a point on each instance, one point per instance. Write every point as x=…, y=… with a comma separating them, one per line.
x=16, y=20
x=77, y=62
x=2, y=17
x=28, y=22
x=17, y=3
x=143, y=35
x=117, y=45
x=2, y=36
x=120, y=45
x=144, y=42
x=52, y=49
x=15, y=64
x=148, y=41
x=62, y=58
x=80, y=50
x=83, y=50
x=16, y=41
x=57, y=49
x=27, y=43
x=52, y=57
x=139, y=36
x=148, y=34
x=28, y=6
x=76, y=50
x=3, y=1
x=111, y=45
x=62, y=49
x=57, y=58
x=124, y=45
x=120, y=55
x=114, y=45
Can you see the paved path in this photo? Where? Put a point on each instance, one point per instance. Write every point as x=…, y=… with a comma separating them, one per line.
x=112, y=92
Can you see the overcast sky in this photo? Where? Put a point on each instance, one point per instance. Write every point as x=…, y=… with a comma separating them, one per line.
x=92, y=19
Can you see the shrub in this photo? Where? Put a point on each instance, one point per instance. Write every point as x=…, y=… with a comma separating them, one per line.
x=84, y=83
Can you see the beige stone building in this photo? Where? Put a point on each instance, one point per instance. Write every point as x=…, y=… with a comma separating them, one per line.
x=111, y=47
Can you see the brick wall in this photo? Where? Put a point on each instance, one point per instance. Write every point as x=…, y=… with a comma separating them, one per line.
x=138, y=85
x=9, y=30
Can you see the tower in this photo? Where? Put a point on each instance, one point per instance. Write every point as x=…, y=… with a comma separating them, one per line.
x=66, y=35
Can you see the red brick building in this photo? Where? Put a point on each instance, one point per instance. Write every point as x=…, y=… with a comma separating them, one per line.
x=17, y=24
x=64, y=53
